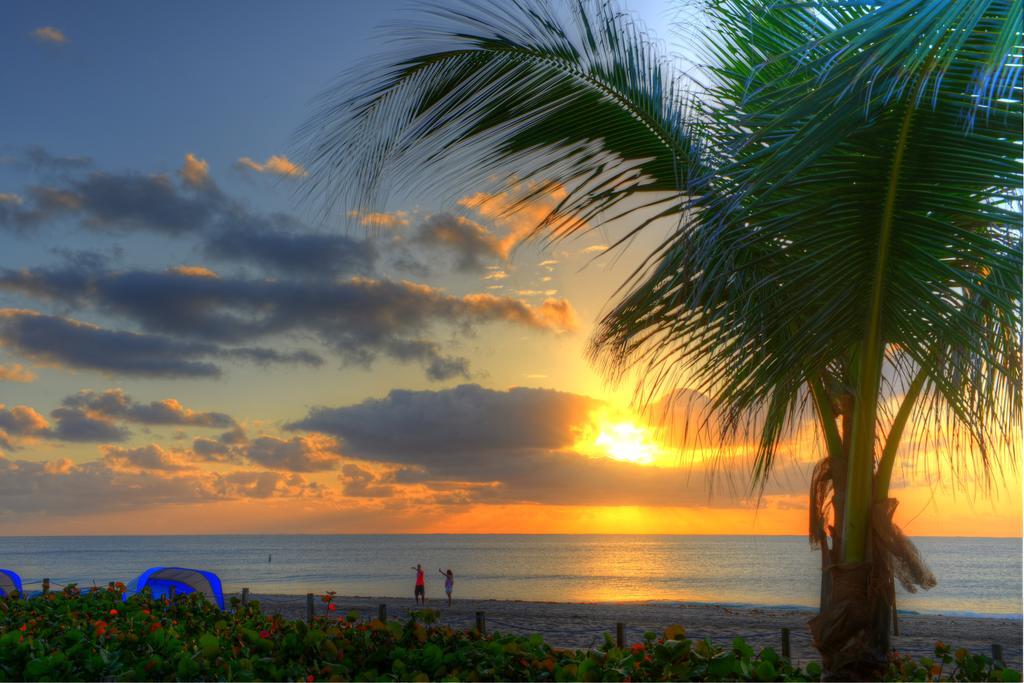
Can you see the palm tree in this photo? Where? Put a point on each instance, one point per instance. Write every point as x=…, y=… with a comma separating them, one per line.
x=844, y=184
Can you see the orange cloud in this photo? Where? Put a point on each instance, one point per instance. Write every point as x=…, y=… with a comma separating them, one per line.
x=192, y=271
x=519, y=218
x=394, y=219
x=275, y=165
x=195, y=171
x=146, y=458
x=554, y=314
x=49, y=34
x=16, y=373
x=9, y=198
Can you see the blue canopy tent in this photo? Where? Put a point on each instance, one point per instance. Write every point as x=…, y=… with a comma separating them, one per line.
x=160, y=581
x=10, y=583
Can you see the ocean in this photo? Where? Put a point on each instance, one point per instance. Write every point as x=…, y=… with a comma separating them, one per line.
x=977, y=576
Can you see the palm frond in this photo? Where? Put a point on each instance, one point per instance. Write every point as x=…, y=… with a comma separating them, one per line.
x=580, y=100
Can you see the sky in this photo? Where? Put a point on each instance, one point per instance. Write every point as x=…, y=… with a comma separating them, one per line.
x=188, y=345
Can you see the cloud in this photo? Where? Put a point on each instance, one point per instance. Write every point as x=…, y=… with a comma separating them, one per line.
x=116, y=404
x=61, y=487
x=312, y=453
x=49, y=34
x=406, y=426
x=74, y=344
x=20, y=422
x=358, y=319
x=192, y=271
x=123, y=202
x=38, y=159
x=195, y=172
x=82, y=426
x=359, y=482
x=16, y=373
x=281, y=244
x=378, y=219
x=470, y=242
x=481, y=445
x=519, y=213
x=147, y=458
x=595, y=249
x=275, y=165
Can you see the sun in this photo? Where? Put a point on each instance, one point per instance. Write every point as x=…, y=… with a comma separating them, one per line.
x=616, y=435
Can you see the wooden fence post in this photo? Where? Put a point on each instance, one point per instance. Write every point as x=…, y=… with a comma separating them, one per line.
x=785, y=644
x=309, y=608
x=46, y=586
x=382, y=612
x=481, y=624
x=620, y=635
x=245, y=597
x=895, y=623
x=997, y=654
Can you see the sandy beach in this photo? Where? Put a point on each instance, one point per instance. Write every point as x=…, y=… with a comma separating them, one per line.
x=582, y=625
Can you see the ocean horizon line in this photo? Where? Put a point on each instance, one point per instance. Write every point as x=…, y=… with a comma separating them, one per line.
x=473, y=534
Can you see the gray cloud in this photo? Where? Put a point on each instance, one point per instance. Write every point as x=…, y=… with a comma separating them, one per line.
x=281, y=244
x=78, y=425
x=116, y=404
x=357, y=318
x=413, y=426
x=473, y=444
x=67, y=342
x=470, y=242
x=149, y=458
x=38, y=159
x=121, y=202
x=57, y=488
x=358, y=482
x=298, y=454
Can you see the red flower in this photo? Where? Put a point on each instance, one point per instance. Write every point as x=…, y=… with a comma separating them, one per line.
x=310, y=678
x=155, y=626
x=264, y=633
x=637, y=647
x=113, y=612
x=331, y=607
x=24, y=627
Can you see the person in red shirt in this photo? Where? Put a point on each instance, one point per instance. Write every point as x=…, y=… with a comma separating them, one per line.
x=421, y=591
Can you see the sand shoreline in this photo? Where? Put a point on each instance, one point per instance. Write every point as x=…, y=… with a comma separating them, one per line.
x=582, y=625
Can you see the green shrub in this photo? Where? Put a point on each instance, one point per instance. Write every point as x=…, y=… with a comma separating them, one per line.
x=96, y=636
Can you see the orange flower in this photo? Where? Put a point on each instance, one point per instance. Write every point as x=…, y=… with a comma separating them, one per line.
x=113, y=612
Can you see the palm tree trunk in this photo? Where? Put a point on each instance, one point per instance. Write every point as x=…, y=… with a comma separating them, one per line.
x=852, y=628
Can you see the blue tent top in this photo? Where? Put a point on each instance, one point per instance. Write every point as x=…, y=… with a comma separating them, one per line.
x=9, y=583
x=160, y=581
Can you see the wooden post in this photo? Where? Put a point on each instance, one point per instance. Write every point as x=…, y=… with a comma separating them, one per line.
x=170, y=593
x=785, y=644
x=620, y=635
x=997, y=654
x=382, y=612
x=481, y=624
x=895, y=623
x=245, y=597
x=309, y=608
x=46, y=586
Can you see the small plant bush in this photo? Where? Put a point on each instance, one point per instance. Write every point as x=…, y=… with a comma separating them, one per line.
x=96, y=636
